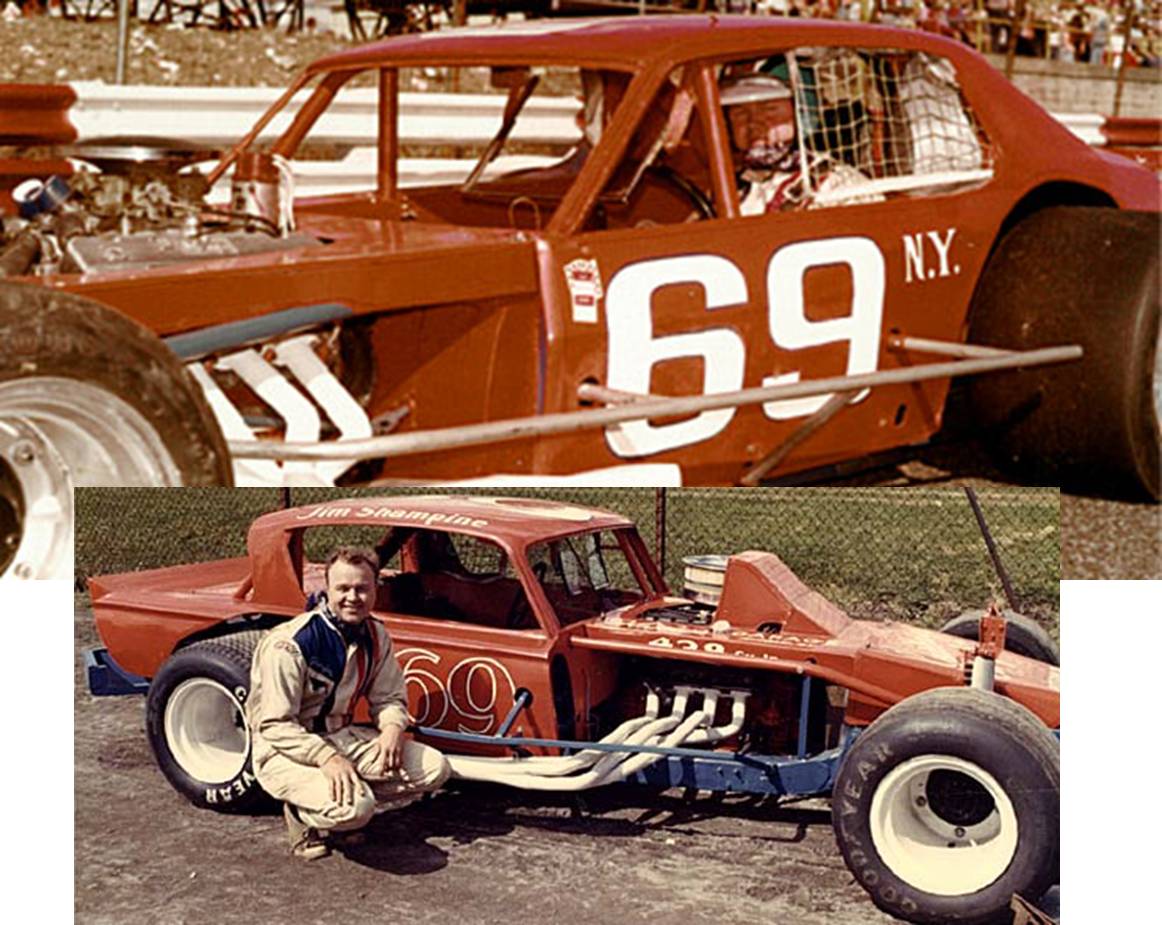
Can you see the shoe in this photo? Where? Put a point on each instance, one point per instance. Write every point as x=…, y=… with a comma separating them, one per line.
x=306, y=843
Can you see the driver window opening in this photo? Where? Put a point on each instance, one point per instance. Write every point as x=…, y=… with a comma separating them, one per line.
x=510, y=163
x=821, y=127
x=429, y=573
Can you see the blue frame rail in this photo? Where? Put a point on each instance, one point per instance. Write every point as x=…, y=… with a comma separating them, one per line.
x=693, y=767
x=108, y=679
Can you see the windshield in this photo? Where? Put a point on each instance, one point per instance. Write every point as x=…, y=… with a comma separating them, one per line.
x=586, y=574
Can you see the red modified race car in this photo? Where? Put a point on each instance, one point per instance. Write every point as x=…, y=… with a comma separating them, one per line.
x=767, y=247
x=543, y=649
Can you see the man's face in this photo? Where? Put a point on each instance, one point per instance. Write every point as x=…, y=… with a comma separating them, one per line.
x=350, y=591
x=762, y=124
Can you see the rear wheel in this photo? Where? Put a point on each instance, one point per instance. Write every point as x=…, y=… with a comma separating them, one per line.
x=195, y=718
x=1087, y=276
x=948, y=804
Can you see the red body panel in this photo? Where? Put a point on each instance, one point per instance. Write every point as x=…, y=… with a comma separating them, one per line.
x=465, y=677
x=477, y=324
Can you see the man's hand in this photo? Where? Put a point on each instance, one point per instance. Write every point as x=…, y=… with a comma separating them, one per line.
x=343, y=778
x=390, y=744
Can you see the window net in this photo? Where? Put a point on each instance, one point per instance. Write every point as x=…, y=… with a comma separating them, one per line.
x=889, y=120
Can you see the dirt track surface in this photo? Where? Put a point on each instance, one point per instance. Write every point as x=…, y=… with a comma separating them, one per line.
x=1110, y=539
x=49, y=50
x=473, y=855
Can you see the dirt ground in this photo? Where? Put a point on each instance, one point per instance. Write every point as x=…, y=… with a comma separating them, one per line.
x=42, y=49
x=475, y=854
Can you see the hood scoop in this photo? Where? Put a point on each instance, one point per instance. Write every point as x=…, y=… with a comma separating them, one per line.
x=761, y=593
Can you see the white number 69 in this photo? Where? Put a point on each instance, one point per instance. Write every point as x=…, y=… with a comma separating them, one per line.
x=791, y=329
x=634, y=351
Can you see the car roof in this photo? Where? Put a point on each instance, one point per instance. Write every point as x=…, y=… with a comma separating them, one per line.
x=514, y=521
x=624, y=42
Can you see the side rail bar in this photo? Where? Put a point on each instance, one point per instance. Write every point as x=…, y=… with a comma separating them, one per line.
x=624, y=406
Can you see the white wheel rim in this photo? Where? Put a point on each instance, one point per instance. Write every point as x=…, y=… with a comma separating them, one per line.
x=39, y=494
x=932, y=852
x=102, y=439
x=206, y=731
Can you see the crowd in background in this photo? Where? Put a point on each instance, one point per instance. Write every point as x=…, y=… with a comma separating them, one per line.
x=1088, y=31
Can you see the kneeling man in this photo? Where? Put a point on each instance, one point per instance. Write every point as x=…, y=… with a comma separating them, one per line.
x=306, y=677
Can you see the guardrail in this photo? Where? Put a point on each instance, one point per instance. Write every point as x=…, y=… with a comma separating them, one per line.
x=357, y=171
x=86, y=112
x=215, y=117
x=218, y=116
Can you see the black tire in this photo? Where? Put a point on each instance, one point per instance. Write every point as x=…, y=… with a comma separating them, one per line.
x=930, y=764
x=60, y=335
x=11, y=516
x=1085, y=276
x=206, y=684
x=1022, y=635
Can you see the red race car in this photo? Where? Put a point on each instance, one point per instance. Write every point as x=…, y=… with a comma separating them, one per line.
x=542, y=647
x=765, y=247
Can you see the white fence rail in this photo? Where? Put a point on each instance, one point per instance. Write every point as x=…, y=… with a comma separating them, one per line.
x=216, y=117
x=356, y=171
x=219, y=116
x=1085, y=125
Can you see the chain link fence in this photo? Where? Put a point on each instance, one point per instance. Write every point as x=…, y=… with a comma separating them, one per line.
x=909, y=554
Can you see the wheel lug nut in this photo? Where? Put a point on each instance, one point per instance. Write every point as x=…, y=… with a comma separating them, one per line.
x=23, y=570
x=921, y=802
x=23, y=453
x=959, y=832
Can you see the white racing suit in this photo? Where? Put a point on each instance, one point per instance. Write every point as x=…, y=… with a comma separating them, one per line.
x=304, y=683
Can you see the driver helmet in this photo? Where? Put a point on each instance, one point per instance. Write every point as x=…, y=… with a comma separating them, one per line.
x=761, y=113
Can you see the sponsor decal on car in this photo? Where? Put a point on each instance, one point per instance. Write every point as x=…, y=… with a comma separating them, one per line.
x=379, y=512
x=583, y=277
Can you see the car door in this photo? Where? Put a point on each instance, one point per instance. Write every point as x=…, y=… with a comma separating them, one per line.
x=466, y=636
x=696, y=305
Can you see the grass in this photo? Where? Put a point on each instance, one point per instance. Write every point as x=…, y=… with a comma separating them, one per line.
x=907, y=554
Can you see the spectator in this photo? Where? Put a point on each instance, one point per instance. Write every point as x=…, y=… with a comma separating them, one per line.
x=957, y=19
x=1079, y=33
x=1028, y=43
x=1000, y=25
x=1100, y=27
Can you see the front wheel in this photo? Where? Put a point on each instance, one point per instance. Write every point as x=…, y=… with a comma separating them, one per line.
x=110, y=398
x=948, y=804
x=88, y=397
x=195, y=718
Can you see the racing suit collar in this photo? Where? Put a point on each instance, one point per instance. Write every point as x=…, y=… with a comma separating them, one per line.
x=351, y=634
